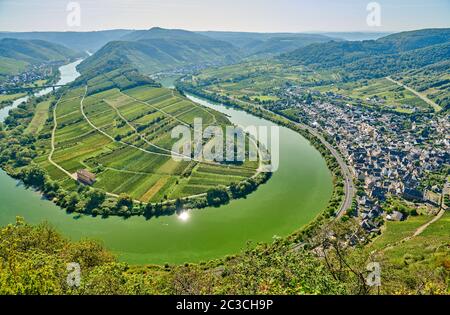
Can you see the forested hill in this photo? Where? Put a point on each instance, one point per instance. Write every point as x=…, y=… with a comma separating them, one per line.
x=412, y=40
x=81, y=41
x=377, y=58
x=16, y=55
x=34, y=51
x=248, y=44
x=160, y=50
x=267, y=44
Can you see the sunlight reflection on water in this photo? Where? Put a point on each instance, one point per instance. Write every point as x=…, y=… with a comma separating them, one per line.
x=184, y=216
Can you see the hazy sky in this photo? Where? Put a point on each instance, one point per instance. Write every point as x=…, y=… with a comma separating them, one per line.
x=227, y=15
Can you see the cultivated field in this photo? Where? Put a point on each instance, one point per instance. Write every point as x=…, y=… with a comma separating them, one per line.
x=124, y=137
x=40, y=117
x=259, y=80
x=380, y=93
x=432, y=82
x=263, y=80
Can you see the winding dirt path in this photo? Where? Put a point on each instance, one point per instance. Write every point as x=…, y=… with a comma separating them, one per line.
x=55, y=126
x=418, y=232
x=422, y=229
x=73, y=176
x=424, y=98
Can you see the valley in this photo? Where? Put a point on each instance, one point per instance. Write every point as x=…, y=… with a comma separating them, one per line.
x=168, y=239
x=363, y=155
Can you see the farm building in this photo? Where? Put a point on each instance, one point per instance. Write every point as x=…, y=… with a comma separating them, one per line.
x=86, y=177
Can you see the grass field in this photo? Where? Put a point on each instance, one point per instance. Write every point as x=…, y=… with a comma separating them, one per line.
x=40, y=117
x=430, y=247
x=397, y=231
x=125, y=139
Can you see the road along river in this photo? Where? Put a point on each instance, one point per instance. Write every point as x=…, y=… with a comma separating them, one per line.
x=295, y=194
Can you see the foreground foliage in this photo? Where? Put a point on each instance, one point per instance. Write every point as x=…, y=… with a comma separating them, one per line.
x=34, y=260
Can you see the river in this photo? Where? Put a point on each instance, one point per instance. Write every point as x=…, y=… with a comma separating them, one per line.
x=295, y=194
x=68, y=73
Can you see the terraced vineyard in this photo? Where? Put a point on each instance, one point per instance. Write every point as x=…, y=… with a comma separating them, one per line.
x=378, y=93
x=124, y=137
x=265, y=81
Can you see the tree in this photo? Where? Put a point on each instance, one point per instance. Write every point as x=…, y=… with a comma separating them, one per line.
x=95, y=199
x=51, y=187
x=179, y=204
x=158, y=210
x=149, y=211
x=72, y=201
x=124, y=200
x=217, y=196
x=336, y=243
x=278, y=269
x=34, y=176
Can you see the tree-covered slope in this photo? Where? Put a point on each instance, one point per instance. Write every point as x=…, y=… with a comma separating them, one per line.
x=260, y=44
x=412, y=40
x=159, y=49
x=385, y=56
x=80, y=41
x=16, y=55
x=34, y=51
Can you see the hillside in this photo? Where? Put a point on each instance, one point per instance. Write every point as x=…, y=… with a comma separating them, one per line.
x=259, y=44
x=412, y=40
x=118, y=125
x=34, y=51
x=352, y=36
x=81, y=41
x=432, y=81
x=36, y=258
x=377, y=58
x=159, y=50
x=16, y=55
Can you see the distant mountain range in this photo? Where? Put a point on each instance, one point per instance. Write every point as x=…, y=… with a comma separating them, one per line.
x=249, y=43
x=375, y=58
x=160, y=50
x=266, y=44
x=354, y=36
x=16, y=55
x=81, y=41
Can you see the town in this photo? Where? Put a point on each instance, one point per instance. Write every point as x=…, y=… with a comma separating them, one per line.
x=30, y=77
x=390, y=154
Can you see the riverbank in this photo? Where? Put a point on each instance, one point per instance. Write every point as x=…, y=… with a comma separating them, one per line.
x=75, y=198
x=8, y=99
x=341, y=199
x=296, y=194
x=331, y=155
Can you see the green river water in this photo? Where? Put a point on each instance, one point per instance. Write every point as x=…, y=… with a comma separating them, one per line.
x=295, y=194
